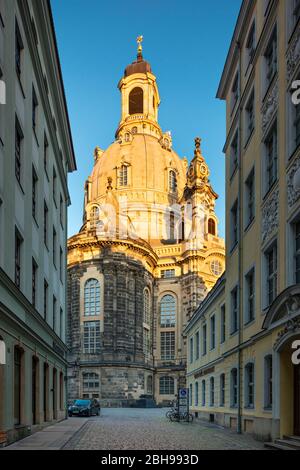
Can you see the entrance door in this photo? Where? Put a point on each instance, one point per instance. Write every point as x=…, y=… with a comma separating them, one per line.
x=297, y=400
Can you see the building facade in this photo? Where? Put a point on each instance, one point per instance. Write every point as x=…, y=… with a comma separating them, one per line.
x=36, y=153
x=242, y=374
x=147, y=253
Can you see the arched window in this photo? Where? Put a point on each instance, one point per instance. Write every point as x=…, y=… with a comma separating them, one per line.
x=211, y=226
x=136, y=97
x=147, y=307
x=90, y=381
x=123, y=175
x=168, y=311
x=172, y=181
x=94, y=216
x=166, y=385
x=91, y=298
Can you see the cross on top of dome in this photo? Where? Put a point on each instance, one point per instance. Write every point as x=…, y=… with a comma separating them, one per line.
x=139, y=41
x=198, y=141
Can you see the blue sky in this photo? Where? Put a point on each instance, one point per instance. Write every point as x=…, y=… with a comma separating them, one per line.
x=186, y=42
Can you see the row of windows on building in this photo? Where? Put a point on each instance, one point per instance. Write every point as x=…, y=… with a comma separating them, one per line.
x=19, y=140
x=168, y=305
x=269, y=271
x=195, y=346
x=123, y=178
x=228, y=392
x=269, y=55
x=270, y=290
x=92, y=342
x=270, y=176
x=91, y=329
x=270, y=142
x=39, y=386
x=176, y=228
x=57, y=255
x=57, y=319
x=91, y=383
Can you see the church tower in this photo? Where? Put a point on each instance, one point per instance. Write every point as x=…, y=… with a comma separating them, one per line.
x=146, y=255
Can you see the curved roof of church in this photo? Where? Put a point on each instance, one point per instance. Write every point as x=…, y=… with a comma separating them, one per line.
x=139, y=66
x=148, y=162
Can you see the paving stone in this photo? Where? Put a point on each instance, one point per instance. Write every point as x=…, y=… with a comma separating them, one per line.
x=149, y=429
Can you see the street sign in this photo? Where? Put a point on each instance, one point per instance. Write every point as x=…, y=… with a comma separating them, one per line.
x=183, y=400
x=183, y=393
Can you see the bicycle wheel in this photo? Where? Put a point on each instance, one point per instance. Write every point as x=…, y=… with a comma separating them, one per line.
x=175, y=417
x=168, y=414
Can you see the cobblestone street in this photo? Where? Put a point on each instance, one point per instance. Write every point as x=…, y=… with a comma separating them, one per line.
x=149, y=429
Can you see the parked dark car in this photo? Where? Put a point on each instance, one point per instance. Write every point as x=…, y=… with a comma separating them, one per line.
x=84, y=408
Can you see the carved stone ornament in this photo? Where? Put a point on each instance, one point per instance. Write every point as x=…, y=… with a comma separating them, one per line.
x=293, y=56
x=291, y=326
x=270, y=215
x=293, y=191
x=269, y=107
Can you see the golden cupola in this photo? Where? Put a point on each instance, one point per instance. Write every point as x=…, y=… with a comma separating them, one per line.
x=140, y=98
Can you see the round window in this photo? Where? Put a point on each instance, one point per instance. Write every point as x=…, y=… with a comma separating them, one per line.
x=216, y=267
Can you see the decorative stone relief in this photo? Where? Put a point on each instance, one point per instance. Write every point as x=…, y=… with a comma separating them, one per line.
x=293, y=56
x=269, y=107
x=293, y=191
x=292, y=326
x=270, y=215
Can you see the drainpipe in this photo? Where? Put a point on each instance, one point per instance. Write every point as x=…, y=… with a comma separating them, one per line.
x=240, y=251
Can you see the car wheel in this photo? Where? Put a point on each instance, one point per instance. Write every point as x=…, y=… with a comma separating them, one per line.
x=70, y=415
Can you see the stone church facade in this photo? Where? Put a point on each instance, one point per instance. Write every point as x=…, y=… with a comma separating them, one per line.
x=146, y=255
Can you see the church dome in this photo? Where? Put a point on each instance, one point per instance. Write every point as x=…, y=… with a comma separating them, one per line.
x=139, y=66
x=148, y=165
